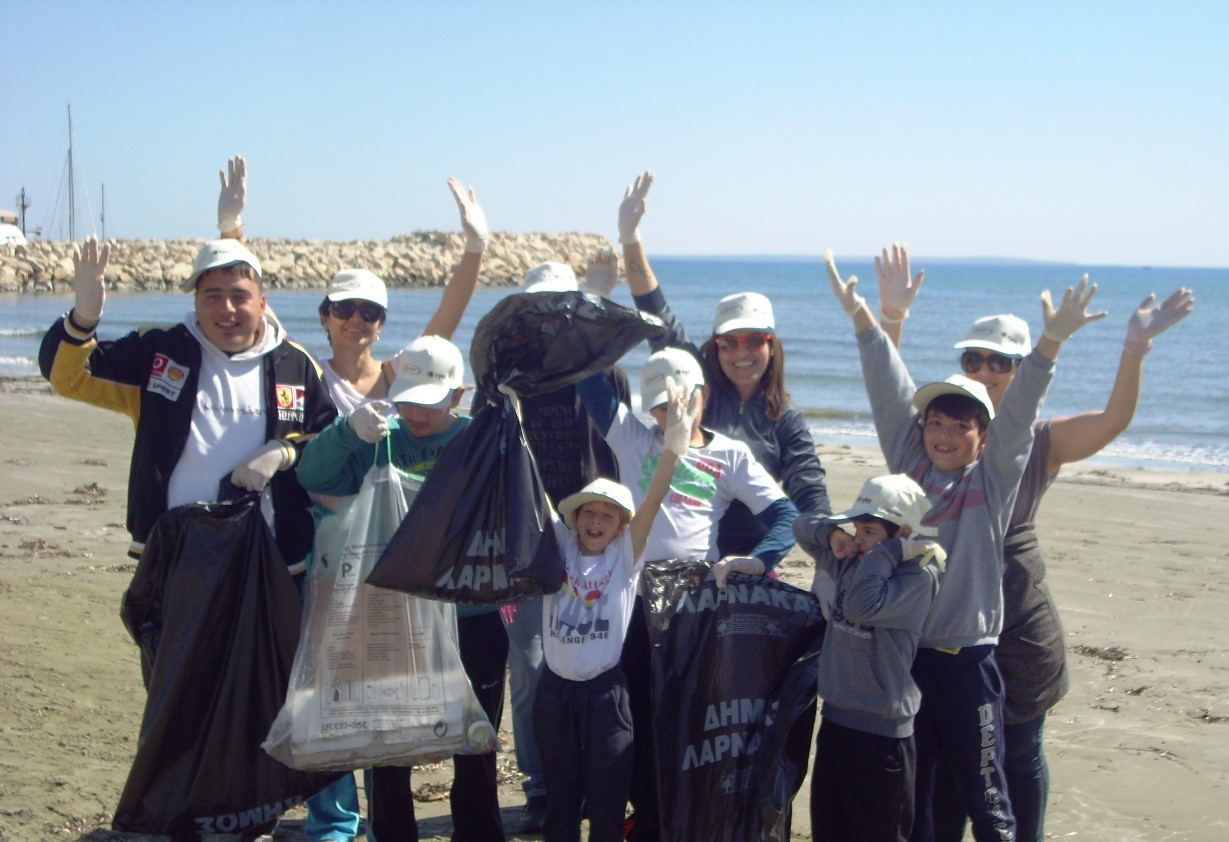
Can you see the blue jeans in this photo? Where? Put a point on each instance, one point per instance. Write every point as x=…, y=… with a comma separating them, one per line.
x=524, y=670
x=332, y=813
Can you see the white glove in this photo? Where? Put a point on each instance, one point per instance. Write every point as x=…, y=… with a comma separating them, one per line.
x=1149, y=319
x=89, y=264
x=923, y=549
x=736, y=564
x=233, y=194
x=255, y=472
x=681, y=413
x=632, y=208
x=845, y=292
x=1072, y=314
x=896, y=289
x=473, y=220
x=368, y=421
x=602, y=274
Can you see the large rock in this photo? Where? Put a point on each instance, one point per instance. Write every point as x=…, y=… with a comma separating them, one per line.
x=424, y=258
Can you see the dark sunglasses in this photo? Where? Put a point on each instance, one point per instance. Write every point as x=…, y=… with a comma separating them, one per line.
x=368, y=312
x=753, y=341
x=971, y=361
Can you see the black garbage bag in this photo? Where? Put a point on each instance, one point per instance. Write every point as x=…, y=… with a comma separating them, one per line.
x=734, y=676
x=541, y=341
x=479, y=530
x=217, y=616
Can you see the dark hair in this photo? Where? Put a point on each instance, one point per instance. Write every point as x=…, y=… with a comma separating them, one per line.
x=772, y=384
x=892, y=528
x=960, y=407
x=234, y=270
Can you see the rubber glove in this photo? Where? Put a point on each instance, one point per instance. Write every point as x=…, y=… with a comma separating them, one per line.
x=602, y=274
x=233, y=194
x=1072, y=314
x=632, y=208
x=473, y=220
x=1149, y=319
x=923, y=549
x=845, y=292
x=255, y=472
x=681, y=413
x=89, y=264
x=369, y=422
x=896, y=289
x=736, y=564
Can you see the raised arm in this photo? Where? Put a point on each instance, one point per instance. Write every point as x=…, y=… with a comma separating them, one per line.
x=681, y=412
x=1080, y=436
x=640, y=276
x=846, y=293
x=460, y=287
x=232, y=198
x=897, y=289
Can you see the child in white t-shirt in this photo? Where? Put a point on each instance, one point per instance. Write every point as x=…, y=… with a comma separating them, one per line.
x=581, y=715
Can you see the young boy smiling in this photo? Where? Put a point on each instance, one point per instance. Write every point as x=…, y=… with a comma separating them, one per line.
x=581, y=712
x=947, y=438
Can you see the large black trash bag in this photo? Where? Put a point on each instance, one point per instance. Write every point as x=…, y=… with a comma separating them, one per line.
x=734, y=676
x=479, y=530
x=541, y=341
x=214, y=609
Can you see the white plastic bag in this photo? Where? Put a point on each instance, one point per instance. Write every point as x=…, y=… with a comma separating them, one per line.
x=377, y=677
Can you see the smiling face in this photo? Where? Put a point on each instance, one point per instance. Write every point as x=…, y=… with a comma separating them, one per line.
x=353, y=331
x=996, y=383
x=741, y=363
x=597, y=524
x=951, y=443
x=230, y=308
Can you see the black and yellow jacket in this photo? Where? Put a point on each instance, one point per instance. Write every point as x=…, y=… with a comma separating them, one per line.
x=150, y=375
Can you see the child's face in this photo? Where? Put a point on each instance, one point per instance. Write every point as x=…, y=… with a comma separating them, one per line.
x=951, y=443
x=597, y=524
x=868, y=533
x=424, y=421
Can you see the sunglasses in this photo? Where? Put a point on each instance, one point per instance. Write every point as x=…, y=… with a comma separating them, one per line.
x=368, y=312
x=971, y=362
x=733, y=341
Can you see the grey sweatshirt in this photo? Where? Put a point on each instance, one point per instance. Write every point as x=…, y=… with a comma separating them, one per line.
x=970, y=507
x=864, y=667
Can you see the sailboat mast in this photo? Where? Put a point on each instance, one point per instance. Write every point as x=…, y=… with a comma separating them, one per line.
x=102, y=214
x=72, y=207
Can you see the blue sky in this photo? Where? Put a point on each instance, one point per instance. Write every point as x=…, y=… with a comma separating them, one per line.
x=1093, y=132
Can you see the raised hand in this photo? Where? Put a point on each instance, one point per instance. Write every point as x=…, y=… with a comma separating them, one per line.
x=473, y=219
x=682, y=409
x=632, y=208
x=845, y=291
x=89, y=289
x=1072, y=314
x=233, y=195
x=602, y=273
x=896, y=289
x=1151, y=319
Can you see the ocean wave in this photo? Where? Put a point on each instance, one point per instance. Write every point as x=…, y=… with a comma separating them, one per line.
x=22, y=331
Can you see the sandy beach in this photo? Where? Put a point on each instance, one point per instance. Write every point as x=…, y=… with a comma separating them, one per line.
x=1139, y=748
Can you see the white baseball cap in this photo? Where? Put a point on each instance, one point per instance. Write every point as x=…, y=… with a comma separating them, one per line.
x=743, y=311
x=895, y=498
x=550, y=277
x=957, y=384
x=1003, y=334
x=357, y=284
x=428, y=370
x=603, y=490
x=216, y=254
x=668, y=362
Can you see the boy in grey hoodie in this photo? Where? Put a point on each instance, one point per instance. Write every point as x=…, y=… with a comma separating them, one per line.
x=862, y=783
x=943, y=437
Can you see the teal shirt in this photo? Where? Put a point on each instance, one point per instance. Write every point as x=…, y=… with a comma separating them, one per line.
x=336, y=461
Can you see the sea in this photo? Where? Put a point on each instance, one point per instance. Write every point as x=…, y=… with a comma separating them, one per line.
x=1181, y=424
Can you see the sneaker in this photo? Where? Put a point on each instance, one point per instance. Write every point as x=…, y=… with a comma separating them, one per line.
x=533, y=817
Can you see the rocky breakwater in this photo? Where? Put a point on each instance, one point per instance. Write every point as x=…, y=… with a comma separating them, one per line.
x=421, y=259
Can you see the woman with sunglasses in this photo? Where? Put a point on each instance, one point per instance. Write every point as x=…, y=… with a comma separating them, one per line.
x=1030, y=652
x=744, y=367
